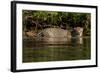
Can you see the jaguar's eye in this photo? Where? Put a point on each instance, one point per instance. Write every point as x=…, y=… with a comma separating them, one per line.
x=42, y=35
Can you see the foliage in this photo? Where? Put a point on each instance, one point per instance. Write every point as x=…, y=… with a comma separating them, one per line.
x=65, y=20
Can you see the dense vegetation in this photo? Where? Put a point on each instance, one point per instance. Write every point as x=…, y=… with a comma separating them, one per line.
x=39, y=20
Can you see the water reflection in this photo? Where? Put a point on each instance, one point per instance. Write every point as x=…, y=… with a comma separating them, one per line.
x=76, y=41
x=76, y=49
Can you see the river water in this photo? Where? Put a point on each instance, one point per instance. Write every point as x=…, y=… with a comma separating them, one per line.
x=42, y=52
